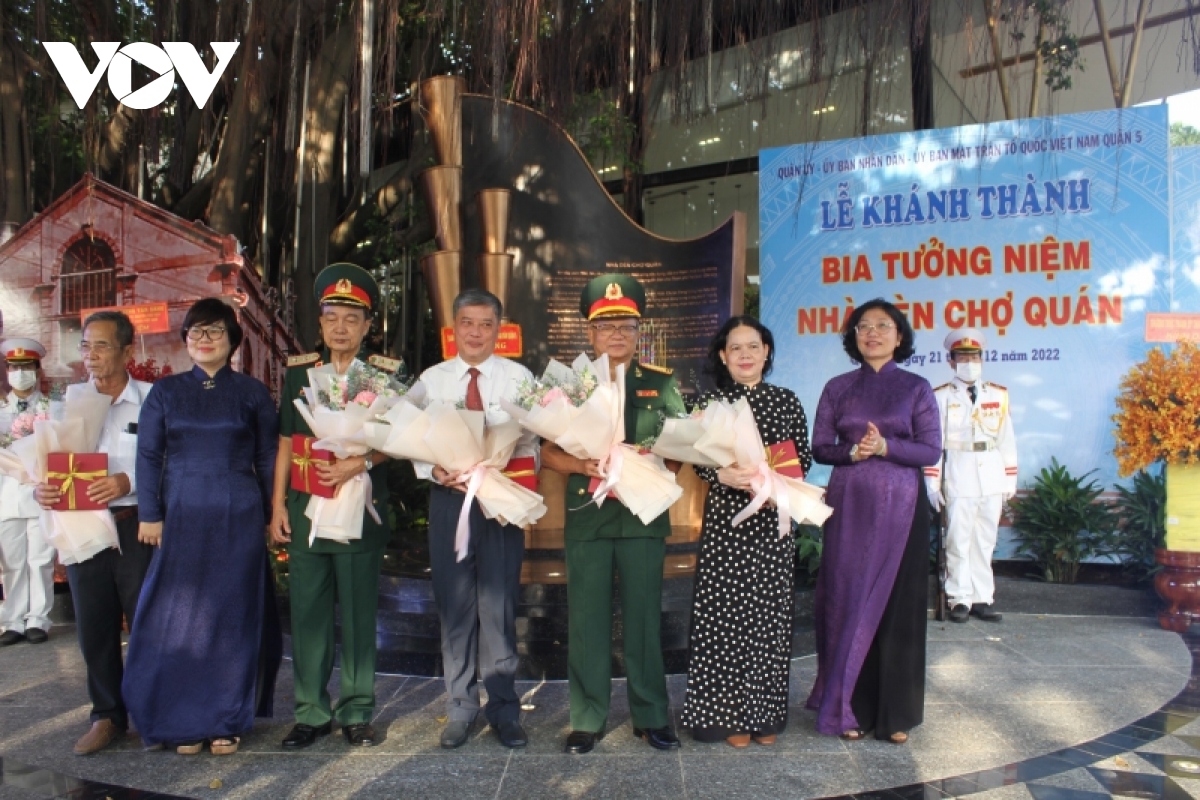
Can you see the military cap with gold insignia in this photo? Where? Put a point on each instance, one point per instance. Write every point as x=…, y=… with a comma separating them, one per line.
x=22, y=351
x=344, y=284
x=968, y=340
x=612, y=295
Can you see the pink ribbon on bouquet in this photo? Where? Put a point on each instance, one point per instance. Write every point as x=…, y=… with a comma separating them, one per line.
x=610, y=467
x=473, y=478
x=368, y=498
x=764, y=484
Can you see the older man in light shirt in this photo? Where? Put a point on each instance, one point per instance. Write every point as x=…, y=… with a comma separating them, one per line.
x=476, y=597
x=105, y=588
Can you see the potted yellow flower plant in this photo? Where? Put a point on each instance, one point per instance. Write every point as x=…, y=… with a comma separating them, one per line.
x=1158, y=420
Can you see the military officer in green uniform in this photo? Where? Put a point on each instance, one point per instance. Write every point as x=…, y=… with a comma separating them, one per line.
x=599, y=538
x=326, y=572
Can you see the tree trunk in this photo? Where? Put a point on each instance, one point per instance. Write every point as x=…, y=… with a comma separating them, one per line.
x=249, y=119
x=330, y=83
x=997, y=55
x=14, y=189
x=1035, y=87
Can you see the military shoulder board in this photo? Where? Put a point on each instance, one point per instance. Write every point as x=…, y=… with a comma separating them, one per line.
x=302, y=359
x=384, y=363
x=656, y=368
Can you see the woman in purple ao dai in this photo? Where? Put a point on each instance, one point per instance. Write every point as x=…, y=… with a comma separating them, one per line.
x=878, y=426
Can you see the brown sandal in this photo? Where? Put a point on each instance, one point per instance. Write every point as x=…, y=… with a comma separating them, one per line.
x=854, y=734
x=900, y=737
x=738, y=740
x=765, y=739
x=189, y=748
x=225, y=745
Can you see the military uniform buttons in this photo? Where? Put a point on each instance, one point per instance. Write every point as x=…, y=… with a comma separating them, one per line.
x=583, y=491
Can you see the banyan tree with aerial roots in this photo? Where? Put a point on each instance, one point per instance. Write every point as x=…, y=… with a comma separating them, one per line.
x=315, y=126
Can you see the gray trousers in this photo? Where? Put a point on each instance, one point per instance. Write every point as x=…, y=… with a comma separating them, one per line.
x=477, y=603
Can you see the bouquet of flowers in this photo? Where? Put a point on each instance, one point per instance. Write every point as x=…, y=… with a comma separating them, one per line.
x=725, y=433
x=474, y=444
x=336, y=407
x=76, y=535
x=586, y=418
x=704, y=438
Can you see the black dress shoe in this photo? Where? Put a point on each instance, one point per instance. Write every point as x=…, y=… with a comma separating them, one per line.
x=512, y=734
x=10, y=637
x=960, y=613
x=303, y=735
x=659, y=738
x=580, y=742
x=985, y=612
x=36, y=635
x=360, y=734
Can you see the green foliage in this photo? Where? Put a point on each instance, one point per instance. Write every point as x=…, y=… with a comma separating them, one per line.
x=1062, y=522
x=602, y=130
x=750, y=305
x=1183, y=135
x=808, y=554
x=1142, y=527
x=1059, y=47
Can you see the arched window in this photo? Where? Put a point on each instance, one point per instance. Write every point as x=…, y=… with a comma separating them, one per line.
x=88, y=278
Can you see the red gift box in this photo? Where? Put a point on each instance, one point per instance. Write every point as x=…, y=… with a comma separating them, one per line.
x=522, y=471
x=782, y=458
x=304, y=460
x=73, y=473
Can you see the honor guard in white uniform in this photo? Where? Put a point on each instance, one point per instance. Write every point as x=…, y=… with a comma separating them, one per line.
x=26, y=560
x=977, y=474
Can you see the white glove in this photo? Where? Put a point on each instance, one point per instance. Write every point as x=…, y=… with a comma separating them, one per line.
x=936, y=501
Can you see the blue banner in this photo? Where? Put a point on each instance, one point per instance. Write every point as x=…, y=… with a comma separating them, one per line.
x=1050, y=236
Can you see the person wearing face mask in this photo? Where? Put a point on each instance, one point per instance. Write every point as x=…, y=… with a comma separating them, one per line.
x=26, y=559
x=975, y=477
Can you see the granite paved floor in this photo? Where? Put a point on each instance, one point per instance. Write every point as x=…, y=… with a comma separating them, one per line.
x=999, y=699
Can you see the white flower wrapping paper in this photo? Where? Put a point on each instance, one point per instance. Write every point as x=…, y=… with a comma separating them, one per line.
x=595, y=429
x=76, y=535
x=724, y=434
x=340, y=431
x=474, y=444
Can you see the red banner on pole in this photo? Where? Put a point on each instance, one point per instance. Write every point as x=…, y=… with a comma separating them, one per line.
x=1172, y=327
x=146, y=317
x=508, y=344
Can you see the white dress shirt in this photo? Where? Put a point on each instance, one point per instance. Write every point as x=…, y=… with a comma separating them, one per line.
x=498, y=379
x=118, y=438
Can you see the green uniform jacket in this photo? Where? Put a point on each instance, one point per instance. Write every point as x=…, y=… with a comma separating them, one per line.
x=651, y=394
x=375, y=536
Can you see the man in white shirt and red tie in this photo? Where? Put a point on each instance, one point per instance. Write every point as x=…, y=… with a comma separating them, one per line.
x=976, y=476
x=477, y=597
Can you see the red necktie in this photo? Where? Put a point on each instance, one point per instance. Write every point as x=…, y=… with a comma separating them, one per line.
x=474, y=398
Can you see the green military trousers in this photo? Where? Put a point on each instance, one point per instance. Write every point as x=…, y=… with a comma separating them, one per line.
x=639, y=565
x=317, y=580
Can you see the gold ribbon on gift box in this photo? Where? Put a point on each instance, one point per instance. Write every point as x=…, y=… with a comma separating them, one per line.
x=519, y=473
x=305, y=460
x=68, y=479
x=777, y=460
